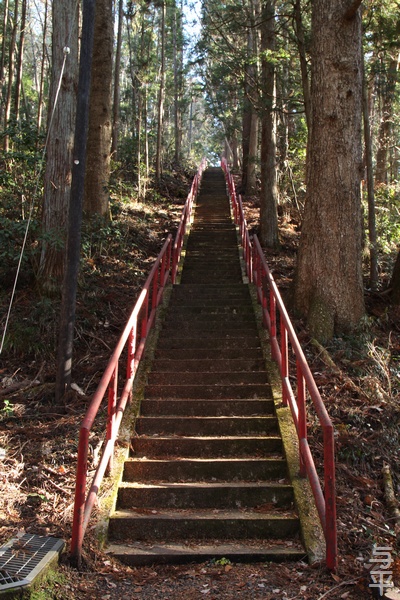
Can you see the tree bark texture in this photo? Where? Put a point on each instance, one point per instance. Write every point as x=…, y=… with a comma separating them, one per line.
x=3, y=45
x=117, y=67
x=372, y=234
x=70, y=283
x=386, y=125
x=251, y=122
x=11, y=64
x=395, y=282
x=300, y=38
x=42, y=72
x=246, y=128
x=269, y=235
x=178, y=66
x=328, y=285
x=21, y=47
x=100, y=119
x=57, y=183
x=161, y=95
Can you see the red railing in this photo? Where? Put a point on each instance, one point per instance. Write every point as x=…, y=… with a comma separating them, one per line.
x=185, y=219
x=132, y=341
x=284, y=343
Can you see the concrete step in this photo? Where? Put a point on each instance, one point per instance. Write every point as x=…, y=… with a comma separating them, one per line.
x=228, y=289
x=204, y=295
x=200, y=330
x=205, y=469
x=202, y=525
x=141, y=554
x=206, y=408
x=190, y=277
x=207, y=378
x=226, y=267
x=212, y=236
x=207, y=365
x=205, y=495
x=209, y=353
x=220, y=343
x=209, y=254
x=212, y=321
x=205, y=311
x=217, y=391
x=211, y=303
x=206, y=446
x=203, y=223
x=207, y=263
x=199, y=425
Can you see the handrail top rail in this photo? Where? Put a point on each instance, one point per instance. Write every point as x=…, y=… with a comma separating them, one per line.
x=319, y=405
x=98, y=395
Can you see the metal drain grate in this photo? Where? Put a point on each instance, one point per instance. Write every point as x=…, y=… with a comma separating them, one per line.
x=22, y=559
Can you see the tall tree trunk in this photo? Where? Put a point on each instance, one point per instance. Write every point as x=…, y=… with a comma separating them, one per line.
x=251, y=120
x=305, y=81
x=372, y=236
x=68, y=304
x=3, y=53
x=235, y=152
x=395, y=282
x=117, y=66
x=99, y=137
x=178, y=64
x=328, y=284
x=146, y=139
x=385, y=128
x=246, y=129
x=57, y=181
x=11, y=65
x=251, y=187
x=161, y=95
x=42, y=71
x=18, y=81
x=299, y=31
x=139, y=145
x=269, y=234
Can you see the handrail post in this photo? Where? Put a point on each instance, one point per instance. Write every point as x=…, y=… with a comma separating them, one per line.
x=145, y=318
x=112, y=407
x=301, y=405
x=155, y=289
x=284, y=359
x=264, y=297
x=330, y=499
x=162, y=273
x=80, y=496
x=250, y=255
x=256, y=275
x=130, y=368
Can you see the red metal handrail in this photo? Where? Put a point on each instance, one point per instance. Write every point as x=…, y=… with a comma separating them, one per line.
x=185, y=219
x=284, y=339
x=133, y=340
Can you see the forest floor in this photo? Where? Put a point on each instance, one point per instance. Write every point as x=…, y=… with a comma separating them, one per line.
x=358, y=376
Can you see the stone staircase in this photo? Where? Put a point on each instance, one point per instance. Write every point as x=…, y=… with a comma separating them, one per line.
x=207, y=478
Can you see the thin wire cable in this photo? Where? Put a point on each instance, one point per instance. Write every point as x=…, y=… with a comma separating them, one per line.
x=66, y=52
